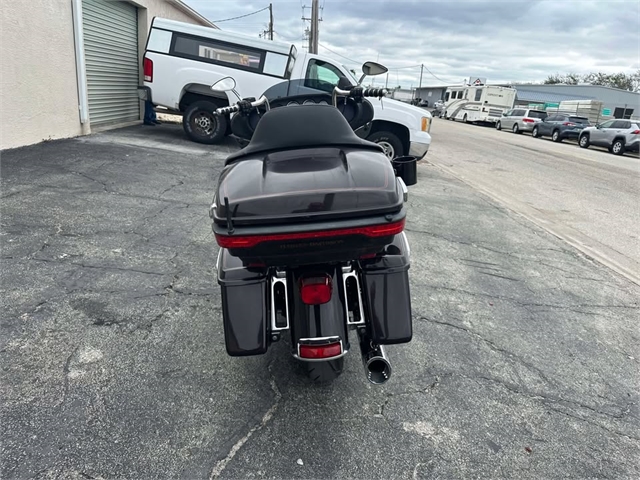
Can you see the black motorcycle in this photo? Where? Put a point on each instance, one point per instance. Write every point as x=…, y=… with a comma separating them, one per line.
x=310, y=221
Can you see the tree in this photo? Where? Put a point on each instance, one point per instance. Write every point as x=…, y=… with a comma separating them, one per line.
x=620, y=80
x=568, y=79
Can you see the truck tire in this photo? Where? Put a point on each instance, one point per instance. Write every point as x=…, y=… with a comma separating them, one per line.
x=201, y=125
x=389, y=142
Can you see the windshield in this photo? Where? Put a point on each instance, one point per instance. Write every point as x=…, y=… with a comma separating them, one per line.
x=350, y=75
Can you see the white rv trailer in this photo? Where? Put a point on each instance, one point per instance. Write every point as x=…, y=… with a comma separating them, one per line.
x=477, y=103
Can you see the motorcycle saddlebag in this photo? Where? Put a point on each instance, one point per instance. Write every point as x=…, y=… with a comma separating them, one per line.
x=312, y=205
x=244, y=312
x=386, y=294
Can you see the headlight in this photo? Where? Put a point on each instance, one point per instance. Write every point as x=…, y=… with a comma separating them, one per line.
x=425, y=124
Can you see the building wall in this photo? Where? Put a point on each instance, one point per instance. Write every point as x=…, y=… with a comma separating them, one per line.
x=38, y=83
x=38, y=87
x=612, y=98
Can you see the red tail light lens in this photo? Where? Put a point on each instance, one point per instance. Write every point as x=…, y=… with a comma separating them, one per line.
x=148, y=70
x=528, y=120
x=320, y=351
x=636, y=132
x=569, y=124
x=315, y=290
x=250, y=241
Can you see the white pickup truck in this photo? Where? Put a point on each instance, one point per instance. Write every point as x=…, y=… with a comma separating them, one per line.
x=182, y=61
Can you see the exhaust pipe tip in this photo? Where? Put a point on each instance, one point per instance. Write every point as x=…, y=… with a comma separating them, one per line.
x=374, y=358
x=378, y=370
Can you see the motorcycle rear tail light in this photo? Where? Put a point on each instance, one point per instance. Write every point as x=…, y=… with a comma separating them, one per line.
x=148, y=70
x=314, y=352
x=250, y=241
x=315, y=290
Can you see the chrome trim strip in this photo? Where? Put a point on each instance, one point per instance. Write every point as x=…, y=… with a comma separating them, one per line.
x=279, y=277
x=349, y=272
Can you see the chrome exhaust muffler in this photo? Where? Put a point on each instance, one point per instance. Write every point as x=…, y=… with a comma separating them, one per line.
x=374, y=358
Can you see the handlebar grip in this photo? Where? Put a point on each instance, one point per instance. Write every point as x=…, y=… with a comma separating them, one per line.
x=375, y=92
x=226, y=110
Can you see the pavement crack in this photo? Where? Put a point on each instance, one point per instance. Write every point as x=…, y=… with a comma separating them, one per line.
x=121, y=269
x=180, y=182
x=500, y=276
x=222, y=464
x=461, y=242
x=596, y=424
x=496, y=348
x=104, y=185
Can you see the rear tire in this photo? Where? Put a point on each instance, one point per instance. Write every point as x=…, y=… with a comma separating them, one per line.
x=464, y=119
x=583, y=141
x=201, y=125
x=555, y=136
x=535, y=133
x=617, y=147
x=324, y=372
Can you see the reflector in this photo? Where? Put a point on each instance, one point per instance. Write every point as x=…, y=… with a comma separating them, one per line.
x=320, y=351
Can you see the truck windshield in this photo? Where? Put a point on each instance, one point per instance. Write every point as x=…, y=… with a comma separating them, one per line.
x=350, y=75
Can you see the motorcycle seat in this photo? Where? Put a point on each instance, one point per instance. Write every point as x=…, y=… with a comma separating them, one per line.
x=301, y=126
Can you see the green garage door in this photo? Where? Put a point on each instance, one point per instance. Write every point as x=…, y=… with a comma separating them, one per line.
x=111, y=55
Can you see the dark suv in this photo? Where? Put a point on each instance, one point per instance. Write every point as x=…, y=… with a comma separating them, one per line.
x=560, y=127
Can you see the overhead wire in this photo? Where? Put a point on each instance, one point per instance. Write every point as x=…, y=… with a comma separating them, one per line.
x=240, y=16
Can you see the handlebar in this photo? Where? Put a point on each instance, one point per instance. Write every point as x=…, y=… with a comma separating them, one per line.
x=367, y=92
x=235, y=108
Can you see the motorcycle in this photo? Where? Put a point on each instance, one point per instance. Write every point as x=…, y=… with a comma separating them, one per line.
x=310, y=220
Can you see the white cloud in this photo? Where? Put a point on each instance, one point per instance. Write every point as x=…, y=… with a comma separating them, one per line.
x=503, y=40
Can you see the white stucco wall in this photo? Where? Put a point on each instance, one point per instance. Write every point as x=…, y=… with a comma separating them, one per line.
x=38, y=83
x=38, y=88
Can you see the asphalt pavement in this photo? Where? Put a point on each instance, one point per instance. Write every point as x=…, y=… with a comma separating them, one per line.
x=588, y=197
x=524, y=362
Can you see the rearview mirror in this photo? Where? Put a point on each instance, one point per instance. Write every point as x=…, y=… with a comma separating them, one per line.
x=373, y=68
x=226, y=84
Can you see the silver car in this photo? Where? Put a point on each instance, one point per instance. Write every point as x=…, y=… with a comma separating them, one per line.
x=617, y=135
x=520, y=120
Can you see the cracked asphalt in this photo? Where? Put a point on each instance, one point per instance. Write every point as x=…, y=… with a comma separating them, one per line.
x=524, y=362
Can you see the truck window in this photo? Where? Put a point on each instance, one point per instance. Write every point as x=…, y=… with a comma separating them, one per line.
x=446, y=97
x=208, y=50
x=478, y=95
x=323, y=76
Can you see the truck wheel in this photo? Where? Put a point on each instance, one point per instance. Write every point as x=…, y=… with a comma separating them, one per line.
x=201, y=125
x=389, y=142
x=324, y=372
x=498, y=125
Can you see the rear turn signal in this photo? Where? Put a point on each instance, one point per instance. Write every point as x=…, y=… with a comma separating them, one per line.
x=315, y=290
x=314, y=352
x=148, y=70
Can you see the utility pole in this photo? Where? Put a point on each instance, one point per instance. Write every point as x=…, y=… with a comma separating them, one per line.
x=313, y=37
x=270, y=22
x=421, y=68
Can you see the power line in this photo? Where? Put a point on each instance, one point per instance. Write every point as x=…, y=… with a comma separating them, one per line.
x=425, y=67
x=241, y=16
x=336, y=53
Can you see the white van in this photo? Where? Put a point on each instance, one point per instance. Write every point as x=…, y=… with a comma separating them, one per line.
x=182, y=61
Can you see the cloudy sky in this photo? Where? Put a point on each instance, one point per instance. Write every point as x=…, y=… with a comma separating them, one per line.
x=502, y=40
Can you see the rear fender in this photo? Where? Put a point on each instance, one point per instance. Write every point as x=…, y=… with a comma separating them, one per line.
x=328, y=320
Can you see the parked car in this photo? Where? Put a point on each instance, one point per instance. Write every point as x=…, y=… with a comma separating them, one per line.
x=617, y=135
x=560, y=127
x=520, y=120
